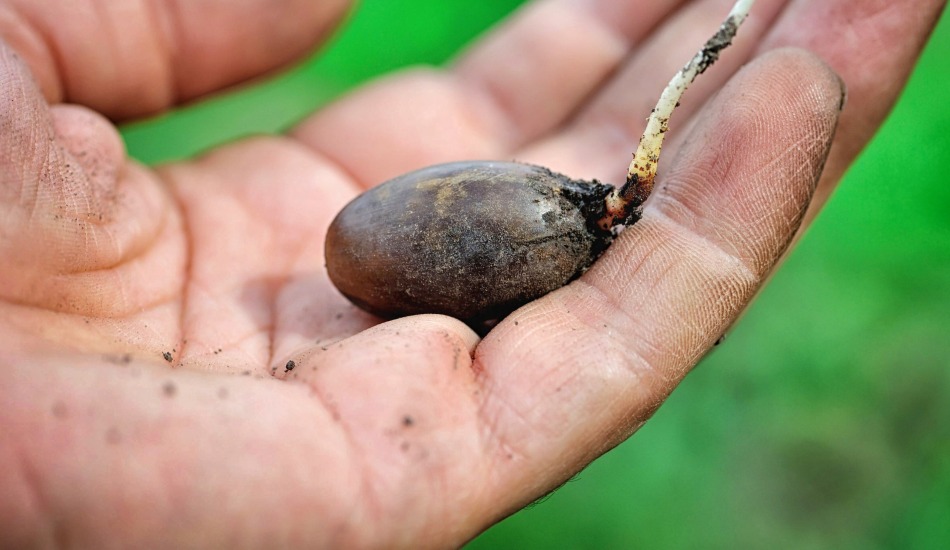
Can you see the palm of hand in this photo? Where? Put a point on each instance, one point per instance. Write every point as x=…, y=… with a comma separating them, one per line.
x=216, y=266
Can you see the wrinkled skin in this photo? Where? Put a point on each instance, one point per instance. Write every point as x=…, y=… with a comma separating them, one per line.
x=411, y=432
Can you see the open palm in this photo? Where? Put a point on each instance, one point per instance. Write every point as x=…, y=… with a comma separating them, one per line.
x=176, y=369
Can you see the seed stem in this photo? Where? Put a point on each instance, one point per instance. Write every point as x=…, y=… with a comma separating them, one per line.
x=623, y=205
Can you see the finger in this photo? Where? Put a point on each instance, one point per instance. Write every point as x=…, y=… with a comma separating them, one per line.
x=508, y=89
x=79, y=225
x=602, y=136
x=519, y=68
x=148, y=56
x=572, y=374
x=873, y=46
x=412, y=119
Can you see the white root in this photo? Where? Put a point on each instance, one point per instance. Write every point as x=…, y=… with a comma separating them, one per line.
x=642, y=171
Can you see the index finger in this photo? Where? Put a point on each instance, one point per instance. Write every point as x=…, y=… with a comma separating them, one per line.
x=574, y=373
x=127, y=59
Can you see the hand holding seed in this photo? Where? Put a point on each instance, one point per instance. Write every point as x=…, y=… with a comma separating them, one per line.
x=418, y=243
x=173, y=354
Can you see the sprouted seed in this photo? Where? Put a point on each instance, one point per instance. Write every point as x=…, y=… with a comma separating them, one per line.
x=478, y=239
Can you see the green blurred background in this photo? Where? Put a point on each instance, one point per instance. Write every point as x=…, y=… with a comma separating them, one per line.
x=822, y=421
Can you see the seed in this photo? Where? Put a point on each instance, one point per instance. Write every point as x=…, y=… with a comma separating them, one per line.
x=473, y=240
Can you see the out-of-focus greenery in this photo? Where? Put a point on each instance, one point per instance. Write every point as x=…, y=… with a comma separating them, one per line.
x=824, y=418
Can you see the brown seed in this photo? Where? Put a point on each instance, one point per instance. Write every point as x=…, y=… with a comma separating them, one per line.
x=473, y=240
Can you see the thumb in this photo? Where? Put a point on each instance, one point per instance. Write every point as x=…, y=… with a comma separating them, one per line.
x=71, y=208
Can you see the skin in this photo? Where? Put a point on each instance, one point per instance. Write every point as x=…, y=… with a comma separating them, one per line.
x=412, y=432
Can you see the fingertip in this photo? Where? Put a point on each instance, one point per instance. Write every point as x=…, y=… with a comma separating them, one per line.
x=221, y=43
x=810, y=69
x=90, y=138
x=748, y=170
x=417, y=345
x=439, y=326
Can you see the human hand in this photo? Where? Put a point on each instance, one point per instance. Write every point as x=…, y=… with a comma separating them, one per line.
x=410, y=431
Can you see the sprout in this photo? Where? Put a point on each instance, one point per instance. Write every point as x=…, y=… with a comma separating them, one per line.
x=624, y=204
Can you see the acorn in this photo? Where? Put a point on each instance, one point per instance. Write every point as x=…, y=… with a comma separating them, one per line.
x=478, y=239
x=473, y=240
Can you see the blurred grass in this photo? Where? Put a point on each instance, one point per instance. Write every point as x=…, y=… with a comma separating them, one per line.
x=822, y=421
